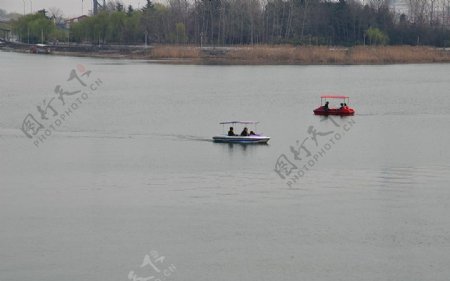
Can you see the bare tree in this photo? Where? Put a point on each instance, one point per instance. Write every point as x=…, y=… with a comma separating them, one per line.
x=418, y=11
x=57, y=15
x=379, y=4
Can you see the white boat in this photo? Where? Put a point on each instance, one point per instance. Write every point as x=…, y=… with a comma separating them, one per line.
x=252, y=138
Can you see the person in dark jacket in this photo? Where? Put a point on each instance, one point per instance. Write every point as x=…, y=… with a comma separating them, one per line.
x=231, y=132
x=244, y=132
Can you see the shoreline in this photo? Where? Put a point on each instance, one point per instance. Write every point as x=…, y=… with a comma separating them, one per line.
x=253, y=55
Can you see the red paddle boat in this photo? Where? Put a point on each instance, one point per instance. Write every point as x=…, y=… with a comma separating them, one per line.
x=325, y=109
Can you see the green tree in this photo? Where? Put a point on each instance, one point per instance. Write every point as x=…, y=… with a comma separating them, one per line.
x=116, y=27
x=376, y=36
x=34, y=28
x=180, y=31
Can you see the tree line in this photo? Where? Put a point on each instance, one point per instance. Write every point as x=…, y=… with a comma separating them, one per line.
x=37, y=28
x=302, y=22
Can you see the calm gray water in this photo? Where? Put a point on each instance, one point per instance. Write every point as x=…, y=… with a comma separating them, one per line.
x=132, y=171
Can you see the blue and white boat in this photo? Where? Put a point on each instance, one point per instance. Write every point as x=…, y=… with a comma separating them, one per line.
x=252, y=138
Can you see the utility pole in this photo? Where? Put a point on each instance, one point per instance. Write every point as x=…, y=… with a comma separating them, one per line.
x=146, y=37
x=31, y=7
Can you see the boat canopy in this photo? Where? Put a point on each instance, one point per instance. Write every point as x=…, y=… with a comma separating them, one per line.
x=333, y=97
x=239, y=122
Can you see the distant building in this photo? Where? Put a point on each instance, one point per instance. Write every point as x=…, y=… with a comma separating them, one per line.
x=5, y=29
x=399, y=6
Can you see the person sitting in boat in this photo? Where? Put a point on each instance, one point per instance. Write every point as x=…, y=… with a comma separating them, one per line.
x=244, y=132
x=252, y=133
x=325, y=107
x=231, y=132
x=342, y=106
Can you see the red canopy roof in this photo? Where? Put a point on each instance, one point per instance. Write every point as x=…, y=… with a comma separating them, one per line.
x=334, y=97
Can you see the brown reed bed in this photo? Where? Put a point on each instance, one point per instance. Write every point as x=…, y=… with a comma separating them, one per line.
x=398, y=54
x=174, y=52
x=288, y=54
x=285, y=54
x=338, y=55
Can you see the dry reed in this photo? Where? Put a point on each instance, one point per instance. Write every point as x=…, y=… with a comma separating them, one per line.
x=174, y=52
x=288, y=54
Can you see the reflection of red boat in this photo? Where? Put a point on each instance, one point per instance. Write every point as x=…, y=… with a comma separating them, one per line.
x=40, y=49
x=323, y=109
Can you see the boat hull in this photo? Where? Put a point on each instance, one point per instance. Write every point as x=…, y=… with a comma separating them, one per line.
x=334, y=111
x=242, y=139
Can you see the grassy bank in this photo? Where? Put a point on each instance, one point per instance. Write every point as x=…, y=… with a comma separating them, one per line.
x=302, y=55
x=262, y=54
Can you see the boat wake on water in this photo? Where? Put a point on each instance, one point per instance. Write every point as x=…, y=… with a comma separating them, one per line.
x=191, y=138
x=17, y=133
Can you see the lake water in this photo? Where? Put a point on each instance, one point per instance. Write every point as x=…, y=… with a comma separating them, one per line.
x=132, y=172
